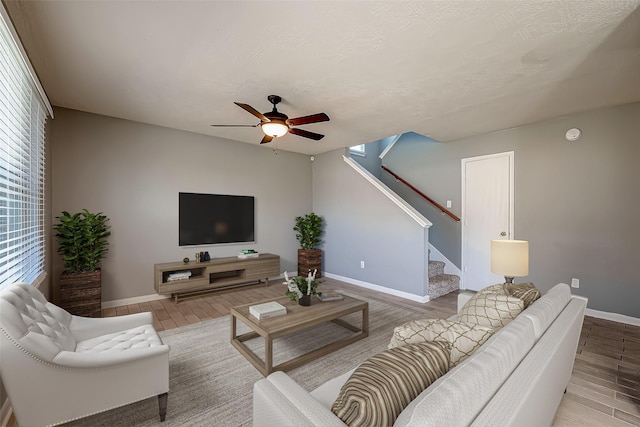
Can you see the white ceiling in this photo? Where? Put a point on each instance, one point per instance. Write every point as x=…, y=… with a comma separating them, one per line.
x=445, y=69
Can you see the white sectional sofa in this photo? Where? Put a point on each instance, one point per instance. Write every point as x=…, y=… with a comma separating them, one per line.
x=516, y=378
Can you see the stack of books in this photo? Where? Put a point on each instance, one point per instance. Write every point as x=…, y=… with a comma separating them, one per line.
x=179, y=275
x=330, y=296
x=248, y=253
x=267, y=310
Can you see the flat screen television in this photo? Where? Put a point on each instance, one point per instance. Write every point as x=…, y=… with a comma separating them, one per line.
x=212, y=219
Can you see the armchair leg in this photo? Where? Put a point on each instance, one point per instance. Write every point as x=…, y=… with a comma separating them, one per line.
x=162, y=403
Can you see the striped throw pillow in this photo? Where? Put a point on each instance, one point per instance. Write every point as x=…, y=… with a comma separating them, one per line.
x=381, y=387
x=525, y=291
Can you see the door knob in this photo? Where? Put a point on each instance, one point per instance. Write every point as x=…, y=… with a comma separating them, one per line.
x=504, y=233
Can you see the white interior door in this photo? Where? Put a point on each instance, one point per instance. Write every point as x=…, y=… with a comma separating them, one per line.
x=487, y=214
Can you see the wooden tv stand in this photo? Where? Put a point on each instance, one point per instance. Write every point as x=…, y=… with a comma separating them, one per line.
x=218, y=273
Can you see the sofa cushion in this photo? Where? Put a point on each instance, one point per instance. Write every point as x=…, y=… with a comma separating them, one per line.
x=140, y=337
x=491, y=309
x=527, y=292
x=382, y=386
x=464, y=338
x=456, y=398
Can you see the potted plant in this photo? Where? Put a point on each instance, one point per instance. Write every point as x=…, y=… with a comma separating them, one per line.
x=308, y=230
x=301, y=288
x=82, y=242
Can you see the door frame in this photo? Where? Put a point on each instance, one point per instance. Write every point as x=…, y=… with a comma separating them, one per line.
x=510, y=232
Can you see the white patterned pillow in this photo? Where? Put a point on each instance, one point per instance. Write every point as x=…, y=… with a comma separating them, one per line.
x=463, y=337
x=494, y=310
x=494, y=289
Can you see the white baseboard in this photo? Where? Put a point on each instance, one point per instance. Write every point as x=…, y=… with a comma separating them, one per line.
x=401, y=294
x=133, y=300
x=5, y=412
x=614, y=317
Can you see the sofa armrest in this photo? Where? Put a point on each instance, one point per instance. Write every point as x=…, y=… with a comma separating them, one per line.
x=107, y=359
x=463, y=297
x=280, y=401
x=84, y=328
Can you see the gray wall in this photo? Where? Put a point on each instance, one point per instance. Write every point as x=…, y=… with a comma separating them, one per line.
x=577, y=203
x=371, y=159
x=133, y=172
x=406, y=160
x=364, y=225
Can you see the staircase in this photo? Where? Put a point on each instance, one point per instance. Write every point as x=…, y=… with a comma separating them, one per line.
x=440, y=283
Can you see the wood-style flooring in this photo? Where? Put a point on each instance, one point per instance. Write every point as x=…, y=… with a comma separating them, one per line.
x=605, y=384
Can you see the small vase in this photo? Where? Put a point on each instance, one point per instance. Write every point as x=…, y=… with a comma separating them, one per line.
x=304, y=300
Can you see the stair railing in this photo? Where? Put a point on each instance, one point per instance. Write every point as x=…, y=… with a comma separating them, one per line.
x=421, y=194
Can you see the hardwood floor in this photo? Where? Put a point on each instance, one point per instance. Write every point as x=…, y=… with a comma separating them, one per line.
x=169, y=315
x=605, y=385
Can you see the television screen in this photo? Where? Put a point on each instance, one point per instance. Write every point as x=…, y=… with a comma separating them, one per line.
x=210, y=219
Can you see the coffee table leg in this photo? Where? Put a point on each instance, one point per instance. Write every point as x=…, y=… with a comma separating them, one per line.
x=233, y=327
x=365, y=321
x=268, y=355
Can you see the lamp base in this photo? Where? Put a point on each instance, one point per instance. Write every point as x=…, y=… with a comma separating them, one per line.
x=508, y=279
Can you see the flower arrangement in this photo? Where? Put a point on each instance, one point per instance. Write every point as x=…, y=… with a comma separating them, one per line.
x=299, y=286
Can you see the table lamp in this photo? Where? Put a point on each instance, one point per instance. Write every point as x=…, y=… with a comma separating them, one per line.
x=510, y=258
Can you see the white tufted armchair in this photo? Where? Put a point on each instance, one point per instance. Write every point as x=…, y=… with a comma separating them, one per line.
x=57, y=367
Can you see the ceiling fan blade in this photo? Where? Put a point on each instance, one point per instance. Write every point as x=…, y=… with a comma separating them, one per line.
x=236, y=126
x=253, y=111
x=306, y=134
x=266, y=139
x=314, y=118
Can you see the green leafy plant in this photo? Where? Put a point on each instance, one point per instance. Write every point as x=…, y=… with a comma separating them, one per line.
x=308, y=230
x=299, y=286
x=82, y=240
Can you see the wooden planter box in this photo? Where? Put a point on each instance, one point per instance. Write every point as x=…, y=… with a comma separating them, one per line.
x=309, y=260
x=81, y=293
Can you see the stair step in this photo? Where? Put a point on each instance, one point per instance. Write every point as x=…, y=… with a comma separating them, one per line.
x=436, y=268
x=443, y=284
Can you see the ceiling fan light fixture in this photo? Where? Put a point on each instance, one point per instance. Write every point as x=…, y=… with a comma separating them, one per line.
x=274, y=128
x=275, y=124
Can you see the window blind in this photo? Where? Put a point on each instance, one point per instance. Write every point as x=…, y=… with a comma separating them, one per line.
x=23, y=114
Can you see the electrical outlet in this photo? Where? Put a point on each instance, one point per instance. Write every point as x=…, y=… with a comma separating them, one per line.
x=361, y=264
x=575, y=283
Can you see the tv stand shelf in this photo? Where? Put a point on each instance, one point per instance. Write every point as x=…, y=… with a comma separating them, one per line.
x=219, y=273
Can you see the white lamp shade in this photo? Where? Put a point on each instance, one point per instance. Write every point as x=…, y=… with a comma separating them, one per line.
x=274, y=128
x=510, y=258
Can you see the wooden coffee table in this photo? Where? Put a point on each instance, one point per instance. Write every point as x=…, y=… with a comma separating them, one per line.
x=298, y=318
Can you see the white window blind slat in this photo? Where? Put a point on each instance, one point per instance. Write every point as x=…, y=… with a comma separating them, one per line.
x=22, y=163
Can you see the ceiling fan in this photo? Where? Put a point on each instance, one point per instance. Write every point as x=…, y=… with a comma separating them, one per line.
x=275, y=124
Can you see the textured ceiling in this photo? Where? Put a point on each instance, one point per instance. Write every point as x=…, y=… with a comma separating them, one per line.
x=445, y=69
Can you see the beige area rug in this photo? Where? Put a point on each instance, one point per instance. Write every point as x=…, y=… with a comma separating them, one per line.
x=211, y=384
